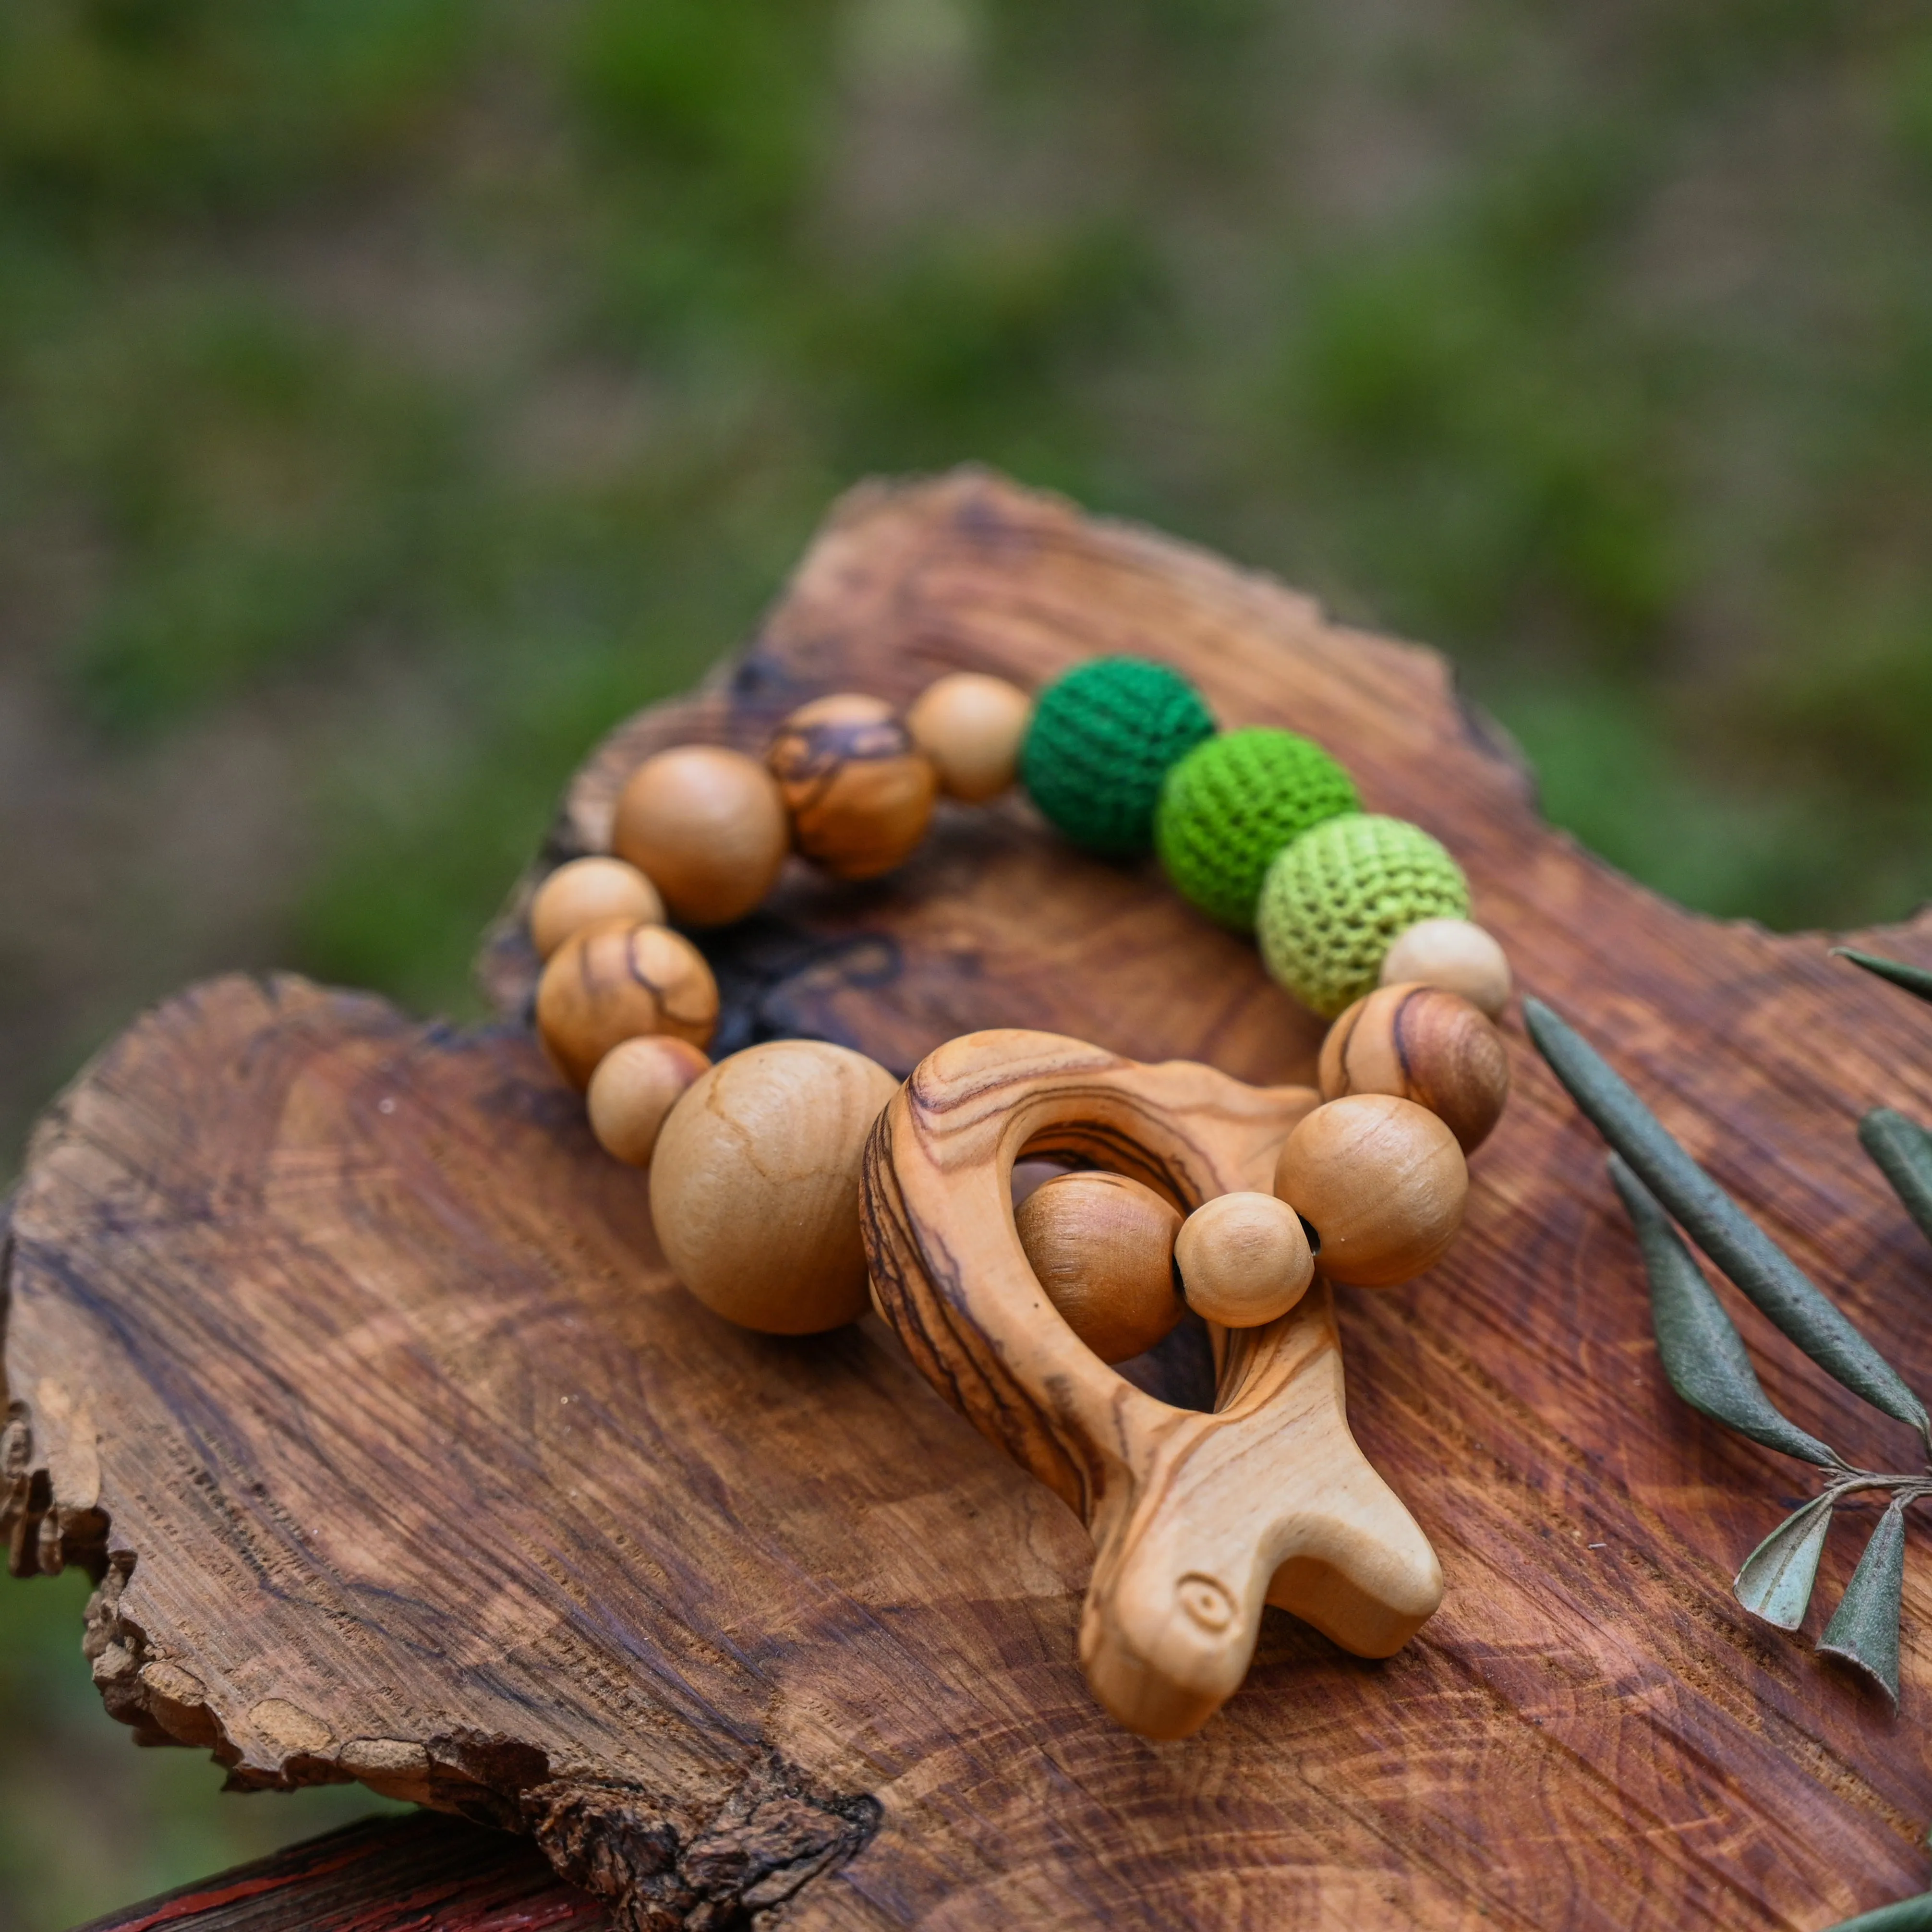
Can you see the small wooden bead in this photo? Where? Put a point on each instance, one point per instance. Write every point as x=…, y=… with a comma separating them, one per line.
x=1381, y=1181
x=1426, y=1044
x=585, y=890
x=612, y=982
x=706, y=826
x=754, y=1185
x=859, y=791
x=1103, y=1246
x=635, y=1088
x=1243, y=1259
x=971, y=727
x=1455, y=954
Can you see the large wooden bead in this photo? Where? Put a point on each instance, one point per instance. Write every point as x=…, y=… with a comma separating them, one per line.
x=635, y=1088
x=1429, y=1046
x=585, y=891
x=754, y=1185
x=859, y=791
x=1455, y=954
x=614, y=981
x=1381, y=1182
x=1103, y=1246
x=1243, y=1259
x=706, y=826
x=971, y=727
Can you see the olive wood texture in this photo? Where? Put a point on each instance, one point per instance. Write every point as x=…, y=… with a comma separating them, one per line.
x=403, y=1458
x=1196, y=1519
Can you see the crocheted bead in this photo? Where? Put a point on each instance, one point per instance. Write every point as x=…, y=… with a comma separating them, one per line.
x=1335, y=901
x=1102, y=740
x=1232, y=803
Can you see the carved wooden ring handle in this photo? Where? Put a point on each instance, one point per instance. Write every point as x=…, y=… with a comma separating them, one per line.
x=1197, y=1520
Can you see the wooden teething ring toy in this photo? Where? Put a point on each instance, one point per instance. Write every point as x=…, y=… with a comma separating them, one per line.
x=767, y=1168
x=1198, y=1520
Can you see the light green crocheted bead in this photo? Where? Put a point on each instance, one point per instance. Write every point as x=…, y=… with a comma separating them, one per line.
x=1232, y=803
x=1335, y=901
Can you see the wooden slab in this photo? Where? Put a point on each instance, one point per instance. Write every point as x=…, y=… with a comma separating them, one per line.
x=335, y=1344
x=421, y=1873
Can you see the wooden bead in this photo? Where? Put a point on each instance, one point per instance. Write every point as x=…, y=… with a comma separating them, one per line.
x=1381, y=1181
x=635, y=1086
x=1103, y=1246
x=1455, y=954
x=1426, y=1044
x=971, y=727
x=859, y=791
x=1243, y=1259
x=706, y=826
x=612, y=982
x=754, y=1186
x=585, y=891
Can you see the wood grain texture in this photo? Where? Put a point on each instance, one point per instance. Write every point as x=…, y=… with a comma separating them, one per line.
x=425, y=1873
x=335, y=1343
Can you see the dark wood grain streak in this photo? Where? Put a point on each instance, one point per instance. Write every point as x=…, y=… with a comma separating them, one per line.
x=425, y=1873
x=403, y=1459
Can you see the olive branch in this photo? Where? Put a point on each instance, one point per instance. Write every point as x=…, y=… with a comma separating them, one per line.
x=1704, y=1356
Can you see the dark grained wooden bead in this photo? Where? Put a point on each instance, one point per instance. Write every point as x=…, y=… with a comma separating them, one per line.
x=615, y=980
x=1427, y=1045
x=859, y=791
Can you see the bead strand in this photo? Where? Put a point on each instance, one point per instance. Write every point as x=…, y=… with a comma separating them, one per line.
x=1358, y=916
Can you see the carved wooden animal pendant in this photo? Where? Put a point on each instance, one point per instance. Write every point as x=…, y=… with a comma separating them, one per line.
x=1197, y=1520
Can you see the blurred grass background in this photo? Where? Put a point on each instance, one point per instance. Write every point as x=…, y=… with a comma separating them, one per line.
x=393, y=393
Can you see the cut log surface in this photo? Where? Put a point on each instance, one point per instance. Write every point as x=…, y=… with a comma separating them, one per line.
x=339, y=1352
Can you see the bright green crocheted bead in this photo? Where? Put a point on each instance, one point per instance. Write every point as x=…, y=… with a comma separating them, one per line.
x=1102, y=740
x=1338, y=898
x=1232, y=803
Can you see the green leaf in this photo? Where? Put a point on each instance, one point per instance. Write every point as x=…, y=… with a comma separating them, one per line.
x=1703, y=1354
x=1909, y=1914
x=1741, y=1249
x=1775, y=1582
x=1903, y=1150
x=1914, y=978
x=1864, y=1629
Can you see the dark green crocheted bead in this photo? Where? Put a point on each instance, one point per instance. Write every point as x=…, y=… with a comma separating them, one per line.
x=1102, y=740
x=1335, y=901
x=1232, y=803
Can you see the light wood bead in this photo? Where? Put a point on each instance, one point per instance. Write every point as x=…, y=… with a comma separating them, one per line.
x=971, y=727
x=859, y=791
x=1455, y=954
x=585, y=891
x=635, y=1088
x=706, y=826
x=1429, y=1046
x=615, y=980
x=1243, y=1259
x=1103, y=1246
x=754, y=1185
x=1381, y=1182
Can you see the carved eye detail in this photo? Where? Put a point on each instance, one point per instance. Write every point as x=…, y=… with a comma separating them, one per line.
x=1207, y=1602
